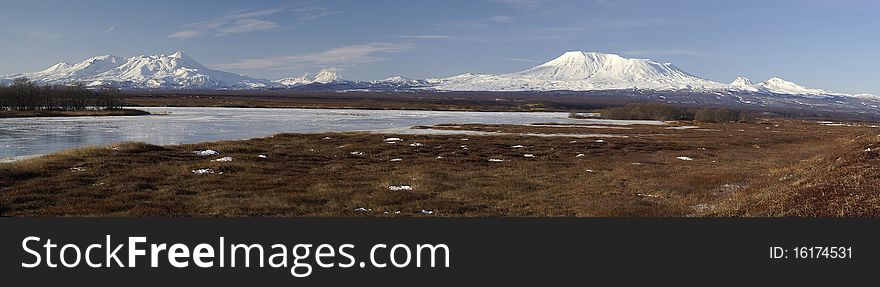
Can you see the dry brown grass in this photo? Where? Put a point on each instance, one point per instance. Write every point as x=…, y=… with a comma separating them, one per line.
x=734, y=167
x=842, y=181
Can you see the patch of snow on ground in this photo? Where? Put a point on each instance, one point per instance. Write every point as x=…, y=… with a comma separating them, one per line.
x=357, y=153
x=517, y=146
x=528, y=155
x=495, y=160
x=580, y=155
x=203, y=171
x=684, y=158
x=400, y=187
x=396, y=159
x=207, y=152
x=223, y=159
x=425, y=211
x=415, y=144
x=262, y=156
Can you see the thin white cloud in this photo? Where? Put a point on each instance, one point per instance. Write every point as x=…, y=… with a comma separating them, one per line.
x=185, y=34
x=336, y=57
x=110, y=29
x=230, y=23
x=501, y=19
x=423, y=36
x=308, y=13
x=245, y=25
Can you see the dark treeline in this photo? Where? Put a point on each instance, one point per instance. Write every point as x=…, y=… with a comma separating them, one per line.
x=663, y=112
x=24, y=95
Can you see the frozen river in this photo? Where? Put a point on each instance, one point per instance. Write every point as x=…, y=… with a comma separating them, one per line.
x=21, y=137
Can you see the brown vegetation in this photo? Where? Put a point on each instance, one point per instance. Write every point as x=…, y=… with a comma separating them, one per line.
x=82, y=113
x=842, y=181
x=24, y=95
x=664, y=112
x=735, y=170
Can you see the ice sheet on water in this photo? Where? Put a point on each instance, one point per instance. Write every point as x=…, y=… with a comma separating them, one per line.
x=183, y=125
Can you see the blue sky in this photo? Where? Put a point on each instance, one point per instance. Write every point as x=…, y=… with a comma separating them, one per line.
x=818, y=43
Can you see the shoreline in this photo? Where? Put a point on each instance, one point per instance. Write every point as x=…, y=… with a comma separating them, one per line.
x=86, y=113
x=726, y=169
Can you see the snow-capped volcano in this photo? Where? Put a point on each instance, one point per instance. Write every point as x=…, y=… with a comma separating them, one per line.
x=778, y=86
x=741, y=82
x=295, y=81
x=580, y=71
x=174, y=71
x=571, y=71
x=325, y=76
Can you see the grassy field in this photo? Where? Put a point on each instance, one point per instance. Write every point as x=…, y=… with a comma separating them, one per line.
x=768, y=168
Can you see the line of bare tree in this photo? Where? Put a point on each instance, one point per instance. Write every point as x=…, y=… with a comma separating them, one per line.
x=664, y=112
x=25, y=95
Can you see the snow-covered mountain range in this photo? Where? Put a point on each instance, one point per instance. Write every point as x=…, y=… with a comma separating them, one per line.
x=174, y=71
x=326, y=76
x=592, y=71
x=585, y=71
x=572, y=71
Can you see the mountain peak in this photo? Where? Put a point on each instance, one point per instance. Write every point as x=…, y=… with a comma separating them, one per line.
x=741, y=81
x=178, y=55
x=157, y=71
x=326, y=76
x=101, y=58
x=779, y=86
x=611, y=69
x=295, y=81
